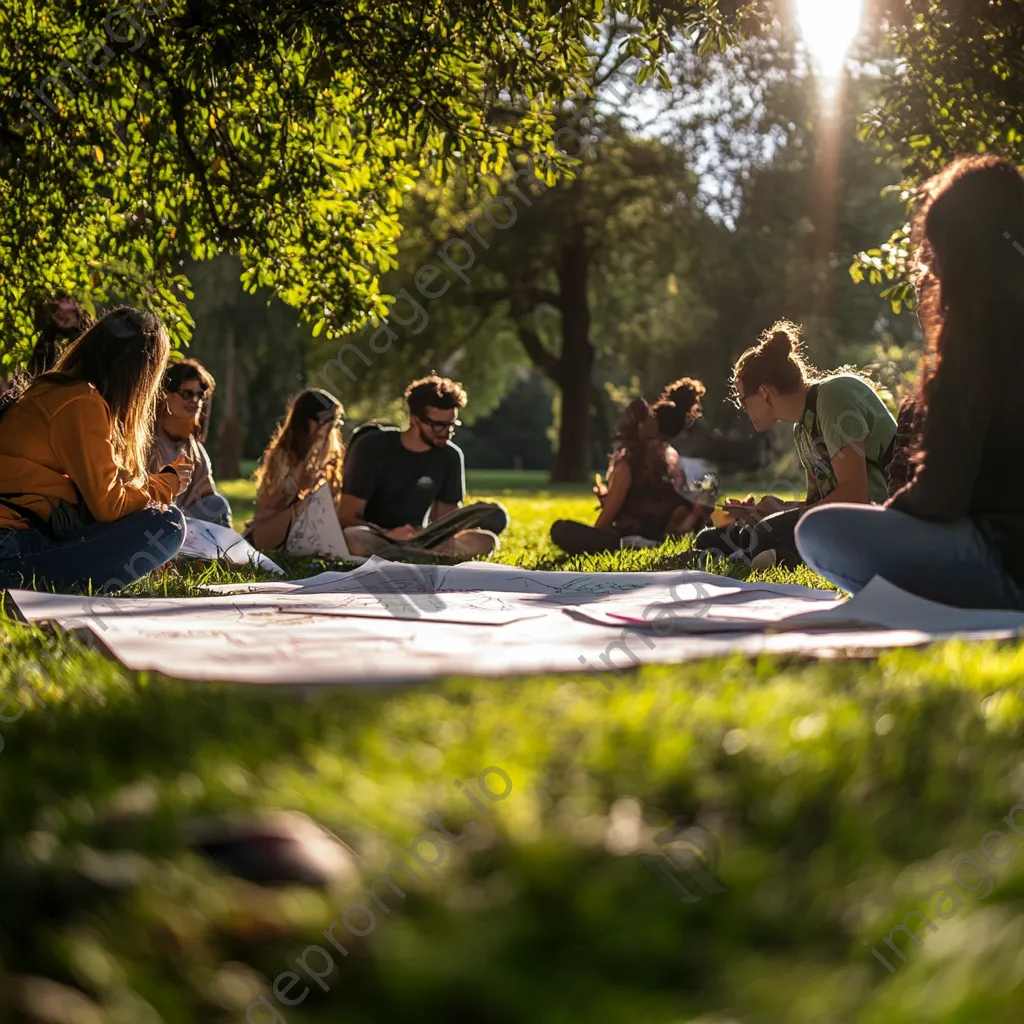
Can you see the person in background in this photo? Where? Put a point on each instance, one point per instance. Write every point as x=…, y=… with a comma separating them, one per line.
x=642, y=498
x=60, y=320
x=394, y=478
x=182, y=419
x=954, y=533
x=305, y=452
x=77, y=505
x=844, y=436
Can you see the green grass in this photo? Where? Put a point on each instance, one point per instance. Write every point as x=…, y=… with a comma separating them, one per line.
x=840, y=792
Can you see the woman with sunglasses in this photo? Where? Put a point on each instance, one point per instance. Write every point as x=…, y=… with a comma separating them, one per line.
x=182, y=421
x=844, y=436
x=305, y=453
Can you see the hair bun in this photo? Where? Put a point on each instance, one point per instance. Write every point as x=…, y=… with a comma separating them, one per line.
x=684, y=393
x=780, y=342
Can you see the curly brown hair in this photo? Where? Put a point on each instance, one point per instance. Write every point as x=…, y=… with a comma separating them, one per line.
x=436, y=392
x=679, y=407
x=777, y=360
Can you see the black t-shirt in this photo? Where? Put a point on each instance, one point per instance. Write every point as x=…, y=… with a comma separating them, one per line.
x=398, y=485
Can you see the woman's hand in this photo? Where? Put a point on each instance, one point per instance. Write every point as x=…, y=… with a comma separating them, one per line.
x=182, y=467
x=600, y=489
x=769, y=505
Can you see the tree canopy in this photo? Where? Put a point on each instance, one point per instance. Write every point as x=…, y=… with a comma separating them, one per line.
x=285, y=133
x=958, y=88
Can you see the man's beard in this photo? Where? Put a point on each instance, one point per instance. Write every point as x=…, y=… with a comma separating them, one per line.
x=429, y=438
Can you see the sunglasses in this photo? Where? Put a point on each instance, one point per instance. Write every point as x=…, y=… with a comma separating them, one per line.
x=329, y=416
x=193, y=394
x=439, y=425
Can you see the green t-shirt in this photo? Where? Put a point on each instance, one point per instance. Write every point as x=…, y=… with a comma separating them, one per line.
x=849, y=413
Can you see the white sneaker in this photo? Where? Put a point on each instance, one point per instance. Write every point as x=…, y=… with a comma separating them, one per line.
x=764, y=560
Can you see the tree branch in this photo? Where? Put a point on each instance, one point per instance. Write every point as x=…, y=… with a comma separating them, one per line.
x=542, y=357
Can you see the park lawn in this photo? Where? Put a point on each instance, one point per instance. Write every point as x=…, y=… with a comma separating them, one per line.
x=840, y=793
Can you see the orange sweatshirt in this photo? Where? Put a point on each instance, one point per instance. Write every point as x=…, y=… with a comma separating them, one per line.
x=55, y=444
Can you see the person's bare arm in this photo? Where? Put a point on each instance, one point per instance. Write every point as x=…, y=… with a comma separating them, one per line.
x=619, y=480
x=442, y=508
x=350, y=513
x=851, y=469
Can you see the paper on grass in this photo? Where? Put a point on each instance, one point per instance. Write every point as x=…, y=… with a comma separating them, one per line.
x=884, y=605
x=387, y=622
x=209, y=540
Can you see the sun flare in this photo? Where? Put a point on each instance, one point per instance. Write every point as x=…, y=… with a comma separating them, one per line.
x=828, y=29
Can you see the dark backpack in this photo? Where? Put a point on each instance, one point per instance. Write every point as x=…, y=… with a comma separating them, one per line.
x=370, y=427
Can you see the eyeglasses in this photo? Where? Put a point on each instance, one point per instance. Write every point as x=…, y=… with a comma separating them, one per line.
x=332, y=417
x=192, y=394
x=439, y=425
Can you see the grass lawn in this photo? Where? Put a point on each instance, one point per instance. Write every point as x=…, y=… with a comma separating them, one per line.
x=841, y=795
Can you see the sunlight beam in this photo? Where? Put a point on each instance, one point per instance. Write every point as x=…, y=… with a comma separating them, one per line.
x=828, y=29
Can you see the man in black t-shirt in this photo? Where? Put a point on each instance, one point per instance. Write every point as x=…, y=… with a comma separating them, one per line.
x=393, y=480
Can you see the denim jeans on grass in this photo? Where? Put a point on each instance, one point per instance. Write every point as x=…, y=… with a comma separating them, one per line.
x=108, y=556
x=953, y=563
x=210, y=508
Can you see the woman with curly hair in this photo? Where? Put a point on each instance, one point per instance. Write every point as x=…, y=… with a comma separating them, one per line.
x=843, y=432
x=954, y=533
x=642, y=497
x=305, y=453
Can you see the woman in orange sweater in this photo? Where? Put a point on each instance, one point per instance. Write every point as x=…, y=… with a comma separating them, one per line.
x=76, y=503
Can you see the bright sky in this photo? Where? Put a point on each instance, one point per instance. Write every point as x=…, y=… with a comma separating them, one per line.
x=828, y=29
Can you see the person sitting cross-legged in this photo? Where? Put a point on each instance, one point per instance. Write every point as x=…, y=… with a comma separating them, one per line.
x=182, y=416
x=393, y=478
x=642, y=498
x=953, y=529
x=844, y=436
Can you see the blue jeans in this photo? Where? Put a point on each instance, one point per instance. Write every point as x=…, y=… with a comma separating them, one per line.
x=109, y=556
x=210, y=508
x=953, y=563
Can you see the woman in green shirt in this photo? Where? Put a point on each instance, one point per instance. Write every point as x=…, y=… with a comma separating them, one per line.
x=843, y=434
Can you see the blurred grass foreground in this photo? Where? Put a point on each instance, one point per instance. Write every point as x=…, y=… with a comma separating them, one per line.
x=850, y=872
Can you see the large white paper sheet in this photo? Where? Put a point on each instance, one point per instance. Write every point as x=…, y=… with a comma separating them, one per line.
x=317, y=531
x=396, y=623
x=880, y=604
x=208, y=540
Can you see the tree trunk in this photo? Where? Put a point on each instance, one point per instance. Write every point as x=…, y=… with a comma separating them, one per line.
x=575, y=364
x=229, y=437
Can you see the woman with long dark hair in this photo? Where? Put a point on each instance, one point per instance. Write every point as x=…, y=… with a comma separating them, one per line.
x=77, y=505
x=642, y=497
x=305, y=453
x=955, y=532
